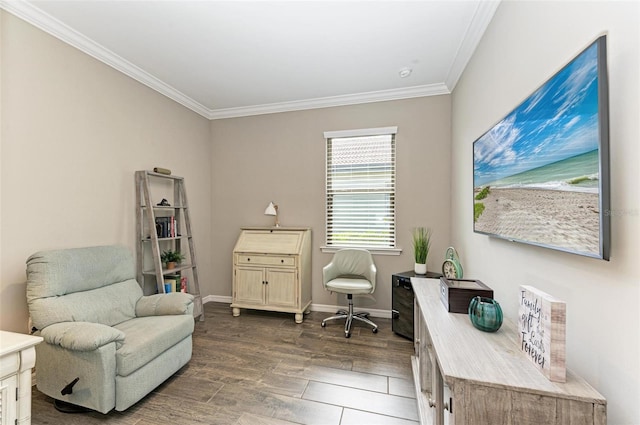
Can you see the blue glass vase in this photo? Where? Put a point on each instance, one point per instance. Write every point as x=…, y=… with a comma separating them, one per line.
x=485, y=314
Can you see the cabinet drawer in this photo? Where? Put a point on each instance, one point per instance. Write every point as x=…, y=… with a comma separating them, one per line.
x=265, y=260
x=10, y=365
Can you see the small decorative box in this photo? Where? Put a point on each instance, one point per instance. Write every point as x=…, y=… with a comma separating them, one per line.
x=456, y=294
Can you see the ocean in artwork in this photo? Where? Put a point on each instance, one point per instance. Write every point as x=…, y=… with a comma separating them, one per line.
x=579, y=173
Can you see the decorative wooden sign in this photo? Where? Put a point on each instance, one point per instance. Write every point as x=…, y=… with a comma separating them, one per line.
x=541, y=326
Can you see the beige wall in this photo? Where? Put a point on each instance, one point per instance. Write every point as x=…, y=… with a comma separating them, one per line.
x=73, y=132
x=526, y=43
x=281, y=158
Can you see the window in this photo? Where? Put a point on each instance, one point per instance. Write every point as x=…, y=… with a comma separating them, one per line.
x=361, y=175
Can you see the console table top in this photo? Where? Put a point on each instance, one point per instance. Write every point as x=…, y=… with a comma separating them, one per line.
x=465, y=353
x=11, y=342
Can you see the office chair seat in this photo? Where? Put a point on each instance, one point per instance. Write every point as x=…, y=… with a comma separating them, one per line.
x=349, y=285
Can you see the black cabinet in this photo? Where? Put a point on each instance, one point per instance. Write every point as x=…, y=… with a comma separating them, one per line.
x=402, y=302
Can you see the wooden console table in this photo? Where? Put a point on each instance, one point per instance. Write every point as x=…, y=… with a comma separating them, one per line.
x=17, y=358
x=464, y=376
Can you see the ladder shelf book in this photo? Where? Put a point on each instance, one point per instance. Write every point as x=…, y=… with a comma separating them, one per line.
x=163, y=226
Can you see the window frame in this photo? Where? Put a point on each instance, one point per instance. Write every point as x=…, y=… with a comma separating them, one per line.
x=362, y=133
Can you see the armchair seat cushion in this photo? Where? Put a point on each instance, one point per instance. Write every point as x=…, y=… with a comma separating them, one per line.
x=148, y=337
x=349, y=286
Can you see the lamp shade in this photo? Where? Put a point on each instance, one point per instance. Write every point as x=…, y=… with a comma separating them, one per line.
x=272, y=209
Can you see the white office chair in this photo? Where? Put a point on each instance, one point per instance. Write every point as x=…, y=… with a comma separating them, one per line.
x=351, y=272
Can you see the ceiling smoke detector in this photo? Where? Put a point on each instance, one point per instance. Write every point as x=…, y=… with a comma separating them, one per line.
x=405, y=72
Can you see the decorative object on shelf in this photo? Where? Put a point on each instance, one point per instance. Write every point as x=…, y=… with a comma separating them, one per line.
x=421, y=245
x=167, y=227
x=162, y=171
x=171, y=258
x=541, y=330
x=456, y=294
x=451, y=266
x=172, y=283
x=164, y=203
x=485, y=314
x=272, y=209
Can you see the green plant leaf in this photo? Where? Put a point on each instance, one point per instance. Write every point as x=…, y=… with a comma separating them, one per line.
x=421, y=244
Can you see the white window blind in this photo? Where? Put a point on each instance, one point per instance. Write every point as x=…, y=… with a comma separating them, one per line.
x=361, y=176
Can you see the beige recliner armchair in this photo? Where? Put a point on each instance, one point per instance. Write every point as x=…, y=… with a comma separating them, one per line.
x=99, y=328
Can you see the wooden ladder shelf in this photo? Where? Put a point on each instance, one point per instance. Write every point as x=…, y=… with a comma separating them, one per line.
x=164, y=227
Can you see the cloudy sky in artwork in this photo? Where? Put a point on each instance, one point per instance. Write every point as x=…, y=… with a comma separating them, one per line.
x=558, y=121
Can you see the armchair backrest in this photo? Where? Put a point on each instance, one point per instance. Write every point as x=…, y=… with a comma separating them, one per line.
x=351, y=262
x=95, y=284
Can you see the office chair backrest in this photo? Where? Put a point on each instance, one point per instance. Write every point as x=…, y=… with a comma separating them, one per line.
x=351, y=262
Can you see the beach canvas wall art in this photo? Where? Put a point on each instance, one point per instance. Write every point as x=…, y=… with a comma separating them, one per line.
x=540, y=175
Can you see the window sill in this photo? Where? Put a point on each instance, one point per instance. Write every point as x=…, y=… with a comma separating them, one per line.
x=374, y=251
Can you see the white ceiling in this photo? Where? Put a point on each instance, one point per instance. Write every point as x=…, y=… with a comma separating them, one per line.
x=236, y=58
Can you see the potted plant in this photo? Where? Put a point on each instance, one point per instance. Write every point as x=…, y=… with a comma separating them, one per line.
x=421, y=244
x=171, y=258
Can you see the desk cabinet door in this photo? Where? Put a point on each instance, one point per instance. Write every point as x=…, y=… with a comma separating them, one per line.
x=281, y=288
x=250, y=285
x=8, y=403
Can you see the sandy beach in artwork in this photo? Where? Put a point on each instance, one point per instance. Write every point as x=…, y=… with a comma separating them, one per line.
x=550, y=217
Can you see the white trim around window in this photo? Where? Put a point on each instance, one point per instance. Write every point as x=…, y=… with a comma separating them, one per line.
x=360, y=190
x=361, y=132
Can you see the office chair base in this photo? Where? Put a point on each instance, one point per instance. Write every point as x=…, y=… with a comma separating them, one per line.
x=349, y=316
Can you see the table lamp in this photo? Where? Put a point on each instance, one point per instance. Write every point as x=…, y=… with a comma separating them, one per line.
x=272, y=209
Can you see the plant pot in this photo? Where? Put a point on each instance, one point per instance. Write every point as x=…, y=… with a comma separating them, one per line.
x=420, y=268
x=171, y=265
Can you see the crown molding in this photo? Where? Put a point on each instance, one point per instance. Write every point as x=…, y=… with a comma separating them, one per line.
x=475, y=31
x=328, y=102
x=36, y=17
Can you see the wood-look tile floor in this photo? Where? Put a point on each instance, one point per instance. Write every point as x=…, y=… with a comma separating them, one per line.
x=264, y=369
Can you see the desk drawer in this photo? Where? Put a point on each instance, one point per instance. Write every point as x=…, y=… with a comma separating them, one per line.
x=265, y=260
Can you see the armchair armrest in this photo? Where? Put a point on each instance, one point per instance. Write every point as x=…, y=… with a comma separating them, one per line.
x=165, y=304
x=330, y=272
x=81, y=336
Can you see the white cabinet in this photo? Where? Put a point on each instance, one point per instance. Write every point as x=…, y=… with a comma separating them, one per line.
x=17, y=358
x=8, y=399
x=272, y=270
x=464, y=376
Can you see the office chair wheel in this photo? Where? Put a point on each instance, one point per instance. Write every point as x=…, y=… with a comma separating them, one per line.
x=324, y=325
x=347, y=334
x=374, y=330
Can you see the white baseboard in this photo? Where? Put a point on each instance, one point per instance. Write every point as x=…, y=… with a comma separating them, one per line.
x=386, y=314
x=217, y=299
